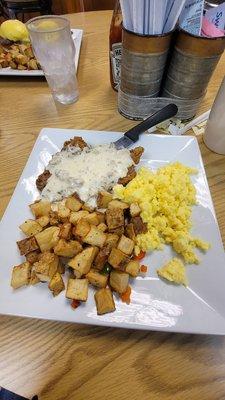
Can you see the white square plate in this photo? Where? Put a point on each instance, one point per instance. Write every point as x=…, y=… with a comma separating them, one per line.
x=155, y=305
x=77, y=38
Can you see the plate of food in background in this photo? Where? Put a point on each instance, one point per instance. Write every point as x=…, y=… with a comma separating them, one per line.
x=16, y=54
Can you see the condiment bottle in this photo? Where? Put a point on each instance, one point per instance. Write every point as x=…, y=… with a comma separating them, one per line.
x=214, y=135
x=211, y=4
x=115, y=46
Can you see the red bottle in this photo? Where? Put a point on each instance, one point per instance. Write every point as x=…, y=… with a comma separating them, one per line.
x=115, y=46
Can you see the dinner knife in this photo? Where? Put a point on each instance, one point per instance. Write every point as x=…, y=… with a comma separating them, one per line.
x=131, y=136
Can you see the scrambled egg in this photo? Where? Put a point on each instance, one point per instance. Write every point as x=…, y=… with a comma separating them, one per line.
x=166, y=198
x=174, y=271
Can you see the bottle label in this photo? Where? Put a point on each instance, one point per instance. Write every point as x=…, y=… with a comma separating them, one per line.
x=115, y=55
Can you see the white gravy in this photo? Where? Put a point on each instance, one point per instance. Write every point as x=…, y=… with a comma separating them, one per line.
x=85, y=172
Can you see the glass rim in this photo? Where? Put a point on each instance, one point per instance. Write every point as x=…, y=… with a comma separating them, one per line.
x=42, y=17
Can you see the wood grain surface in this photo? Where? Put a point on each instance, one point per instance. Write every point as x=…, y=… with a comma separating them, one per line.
x=68, y=361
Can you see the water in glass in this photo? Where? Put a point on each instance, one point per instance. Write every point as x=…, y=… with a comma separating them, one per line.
x=55, y=50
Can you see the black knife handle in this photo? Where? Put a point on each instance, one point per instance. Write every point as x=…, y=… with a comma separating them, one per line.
x=162, y=115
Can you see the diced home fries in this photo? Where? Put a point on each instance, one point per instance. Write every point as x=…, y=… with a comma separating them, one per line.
x=96, y=247
x=77, y=289
x=21, y=275
x=104, y=301
x=18, y=56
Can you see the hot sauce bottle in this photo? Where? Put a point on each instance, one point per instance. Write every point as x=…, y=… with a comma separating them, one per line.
x=115, y=46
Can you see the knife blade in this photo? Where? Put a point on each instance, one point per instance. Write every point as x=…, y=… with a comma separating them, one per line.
x=131, y=136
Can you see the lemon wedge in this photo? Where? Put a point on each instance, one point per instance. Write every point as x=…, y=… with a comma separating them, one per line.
x=47, y=25
x=14, y=30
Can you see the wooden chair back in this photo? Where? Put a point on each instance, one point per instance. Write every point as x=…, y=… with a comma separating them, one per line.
x=71, y=6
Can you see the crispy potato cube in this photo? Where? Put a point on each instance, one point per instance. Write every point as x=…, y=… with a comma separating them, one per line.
x=65, y=231
x=81, y=263
x=48, y=238
x=117, y=259
x=101, y=257
x=118, y=231
x=21, y=67
x=73, y=203
x=41, y=270
x=139, y=225
x=30, y=227
x=82, y=229
x=12, y=65
x=21, y=59
x=111, y=240
x=33, y=256
x=92, y=218
x=114, y=218
x=40, y=208
x=14, y=51
x=43, y=221
x=88, y=208
x=29, y=52
x=104, y=301
x=119, y=281
x=63, y=213
x=95, y=237
x=126, y=245
x=77, y=289
x=56, y=284
x=133, y=268
x=102, y=227
x=32, y=64
x=103, y=199
x=33, y=278
x=67, y=249
x=22, y=47
x=101, y=217
x=53, y=218
x=27, y=245
x=129, y=230
x=118, y=204
x=47, y=266
x=21, y=275
x=97, y=279
x=135, y=210
x=76, y=216
x=52, y=260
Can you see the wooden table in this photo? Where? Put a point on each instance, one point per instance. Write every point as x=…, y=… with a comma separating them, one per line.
x=68, y=361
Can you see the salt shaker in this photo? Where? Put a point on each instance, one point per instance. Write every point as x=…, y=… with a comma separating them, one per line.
x=214, y=135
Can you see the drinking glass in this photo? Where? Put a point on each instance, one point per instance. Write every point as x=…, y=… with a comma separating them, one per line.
x=54, y=48
x=214, y=135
